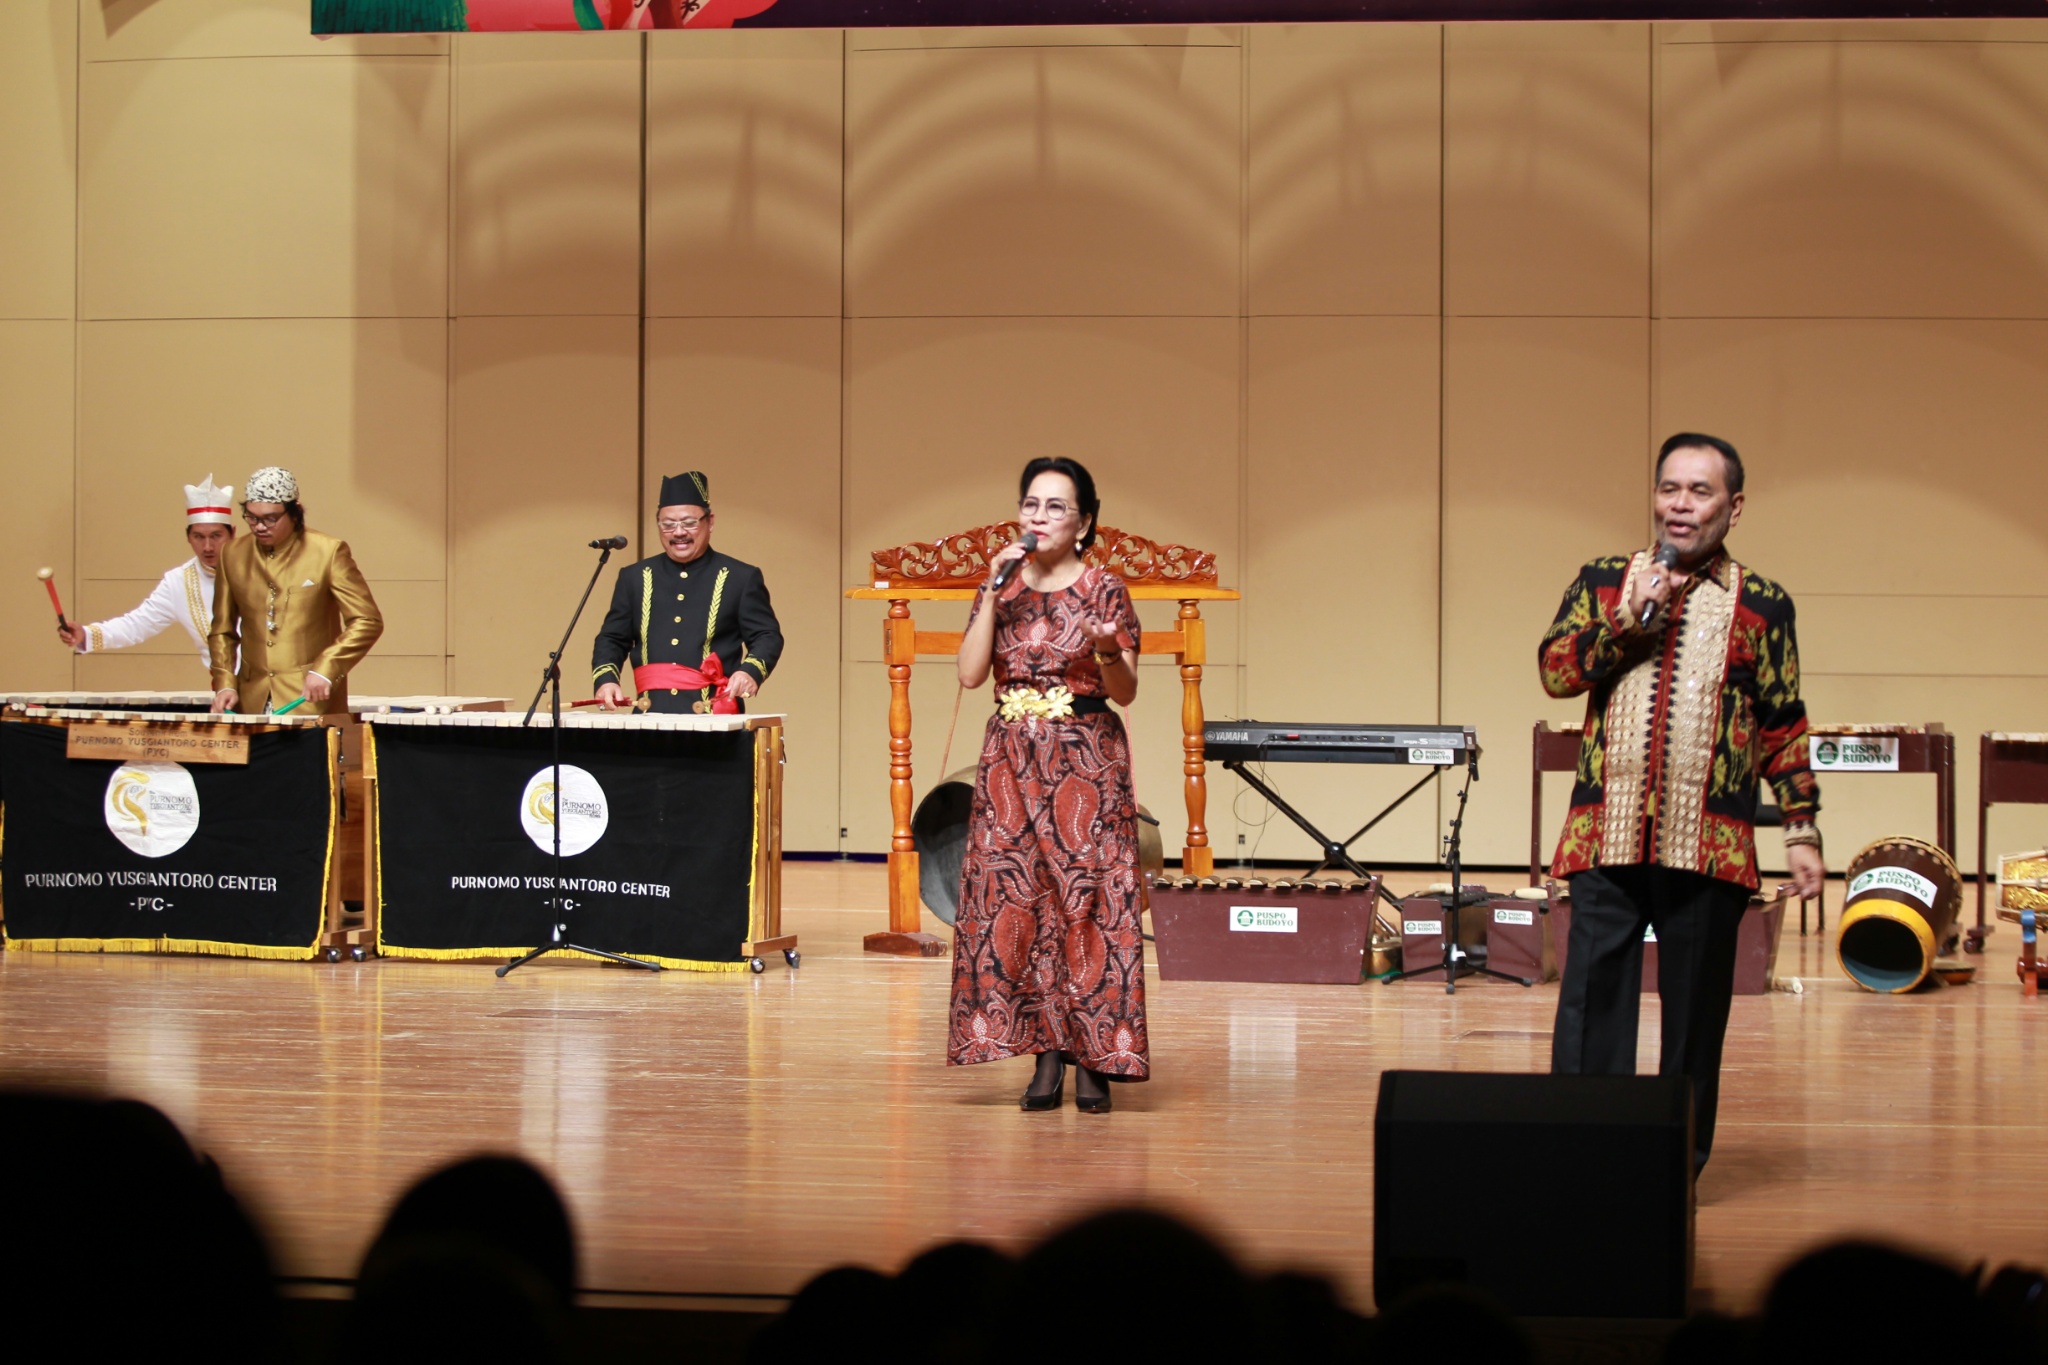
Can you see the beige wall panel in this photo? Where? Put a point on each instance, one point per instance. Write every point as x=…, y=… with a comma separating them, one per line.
x=1860, y=179
x=1149, y=405
x=1341, y=583
x=415, y=616
x=864, y=751
x=1874, y=635
x=754, y=404
x=1545, y=467
x=404, y=675
x=544, y=460
x=1874, y=450
x=36, y=521
x=131, y=670
x=38, y=157
x=264, y=187
x=1048, y=180
x=355, y=408
x=1345, y=167
x=132, y=30
x=1850, y=31
x=1547, y=169
x=743, y=182
x=547, y=174
x=1052, y=35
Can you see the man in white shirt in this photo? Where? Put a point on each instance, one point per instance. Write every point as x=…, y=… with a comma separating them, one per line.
x=184, y=596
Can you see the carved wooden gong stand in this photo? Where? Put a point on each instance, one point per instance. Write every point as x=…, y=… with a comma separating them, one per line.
x=952, y=569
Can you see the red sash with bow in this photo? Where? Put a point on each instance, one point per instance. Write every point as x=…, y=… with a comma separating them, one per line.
x=711, y=673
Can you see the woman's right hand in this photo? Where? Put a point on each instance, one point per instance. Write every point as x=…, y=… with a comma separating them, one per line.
x=1009, y=554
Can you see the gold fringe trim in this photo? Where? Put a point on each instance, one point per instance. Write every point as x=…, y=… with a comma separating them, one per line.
x=373, y=830
x=330, y=892
x=681, y=964
x=204, y=947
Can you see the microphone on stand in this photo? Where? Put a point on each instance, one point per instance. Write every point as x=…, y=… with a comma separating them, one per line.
x=1009, y=570
x=1667, y=558
x=609, y=543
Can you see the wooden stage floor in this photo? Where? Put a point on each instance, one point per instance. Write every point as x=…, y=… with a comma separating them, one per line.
x=730, y=1135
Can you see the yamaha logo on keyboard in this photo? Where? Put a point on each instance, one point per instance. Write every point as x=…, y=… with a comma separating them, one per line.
x=1230, y=737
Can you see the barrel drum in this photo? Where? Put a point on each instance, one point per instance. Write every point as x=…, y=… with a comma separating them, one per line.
x=1904, y=896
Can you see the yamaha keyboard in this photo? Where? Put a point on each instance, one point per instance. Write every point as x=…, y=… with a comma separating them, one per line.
x=1260, y=741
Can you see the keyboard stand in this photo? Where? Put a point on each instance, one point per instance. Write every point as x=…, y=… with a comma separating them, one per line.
x=1336, y=853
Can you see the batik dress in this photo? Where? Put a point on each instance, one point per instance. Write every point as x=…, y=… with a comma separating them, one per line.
x=1048, y=954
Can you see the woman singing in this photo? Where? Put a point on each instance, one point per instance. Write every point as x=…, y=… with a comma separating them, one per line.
x=1048, y=958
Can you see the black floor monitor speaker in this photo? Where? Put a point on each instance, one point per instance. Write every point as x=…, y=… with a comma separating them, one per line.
x=1558, y=1196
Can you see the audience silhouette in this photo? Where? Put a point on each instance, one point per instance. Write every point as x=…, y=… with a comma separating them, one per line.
x=121, y=1233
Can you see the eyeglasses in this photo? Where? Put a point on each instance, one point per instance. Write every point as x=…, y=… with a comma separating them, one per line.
x=677, y=527
x=1055, y=510
x=273, y=519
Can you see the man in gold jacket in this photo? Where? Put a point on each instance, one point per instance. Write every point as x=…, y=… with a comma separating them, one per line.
x=295, y=604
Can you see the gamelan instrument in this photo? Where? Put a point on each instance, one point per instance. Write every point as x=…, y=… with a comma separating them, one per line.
x=670, y=834
x=2022, y=897
x=1252, y=929
x=1236, y=743
x=136, y=827
x=139, y=702
x=1903, y=898
x=1261, y=741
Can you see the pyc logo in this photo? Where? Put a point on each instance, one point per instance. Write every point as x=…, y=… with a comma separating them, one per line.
x=153, y=808
x=580, y=806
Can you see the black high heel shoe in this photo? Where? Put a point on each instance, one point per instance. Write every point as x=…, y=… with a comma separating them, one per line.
x=1035, y=1104
x=1096, y=1104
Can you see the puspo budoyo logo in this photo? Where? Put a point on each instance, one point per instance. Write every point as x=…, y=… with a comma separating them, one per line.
x=153, y=808
x=581, y=807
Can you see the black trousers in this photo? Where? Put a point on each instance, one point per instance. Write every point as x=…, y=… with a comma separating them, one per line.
x=1696, y=919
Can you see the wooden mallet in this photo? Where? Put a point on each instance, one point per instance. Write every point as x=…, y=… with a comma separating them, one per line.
x=49, y=577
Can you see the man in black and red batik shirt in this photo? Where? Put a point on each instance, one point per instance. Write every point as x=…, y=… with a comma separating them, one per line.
x=1690, y=669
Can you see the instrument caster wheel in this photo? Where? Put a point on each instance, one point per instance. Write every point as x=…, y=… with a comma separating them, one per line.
x=756, y=965
x=792, y=957
x=358, y=954
x=1973, y=941
x=334, y=954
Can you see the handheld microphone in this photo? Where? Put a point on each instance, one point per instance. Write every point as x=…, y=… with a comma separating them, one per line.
x=1667, y=558
x=609, y=543
x=1009, y=570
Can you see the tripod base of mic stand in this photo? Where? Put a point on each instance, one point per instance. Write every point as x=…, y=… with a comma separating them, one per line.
x=1452, y=972
x=619, y=958
x=1455, y=963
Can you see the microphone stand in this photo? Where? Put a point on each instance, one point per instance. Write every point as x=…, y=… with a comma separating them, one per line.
x=1455, y=961
x=559, y=906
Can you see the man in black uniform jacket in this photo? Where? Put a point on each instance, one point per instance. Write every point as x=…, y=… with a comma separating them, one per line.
x=693, y=625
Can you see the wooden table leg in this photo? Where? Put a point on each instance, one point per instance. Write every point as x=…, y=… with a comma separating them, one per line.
x=905, y=937
x=1197, y=859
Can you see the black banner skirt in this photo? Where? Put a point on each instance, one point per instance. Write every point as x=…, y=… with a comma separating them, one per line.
x=98, y=856
x=658, y=841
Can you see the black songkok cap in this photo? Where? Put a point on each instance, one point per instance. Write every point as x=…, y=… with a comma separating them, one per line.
x=684, y=490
